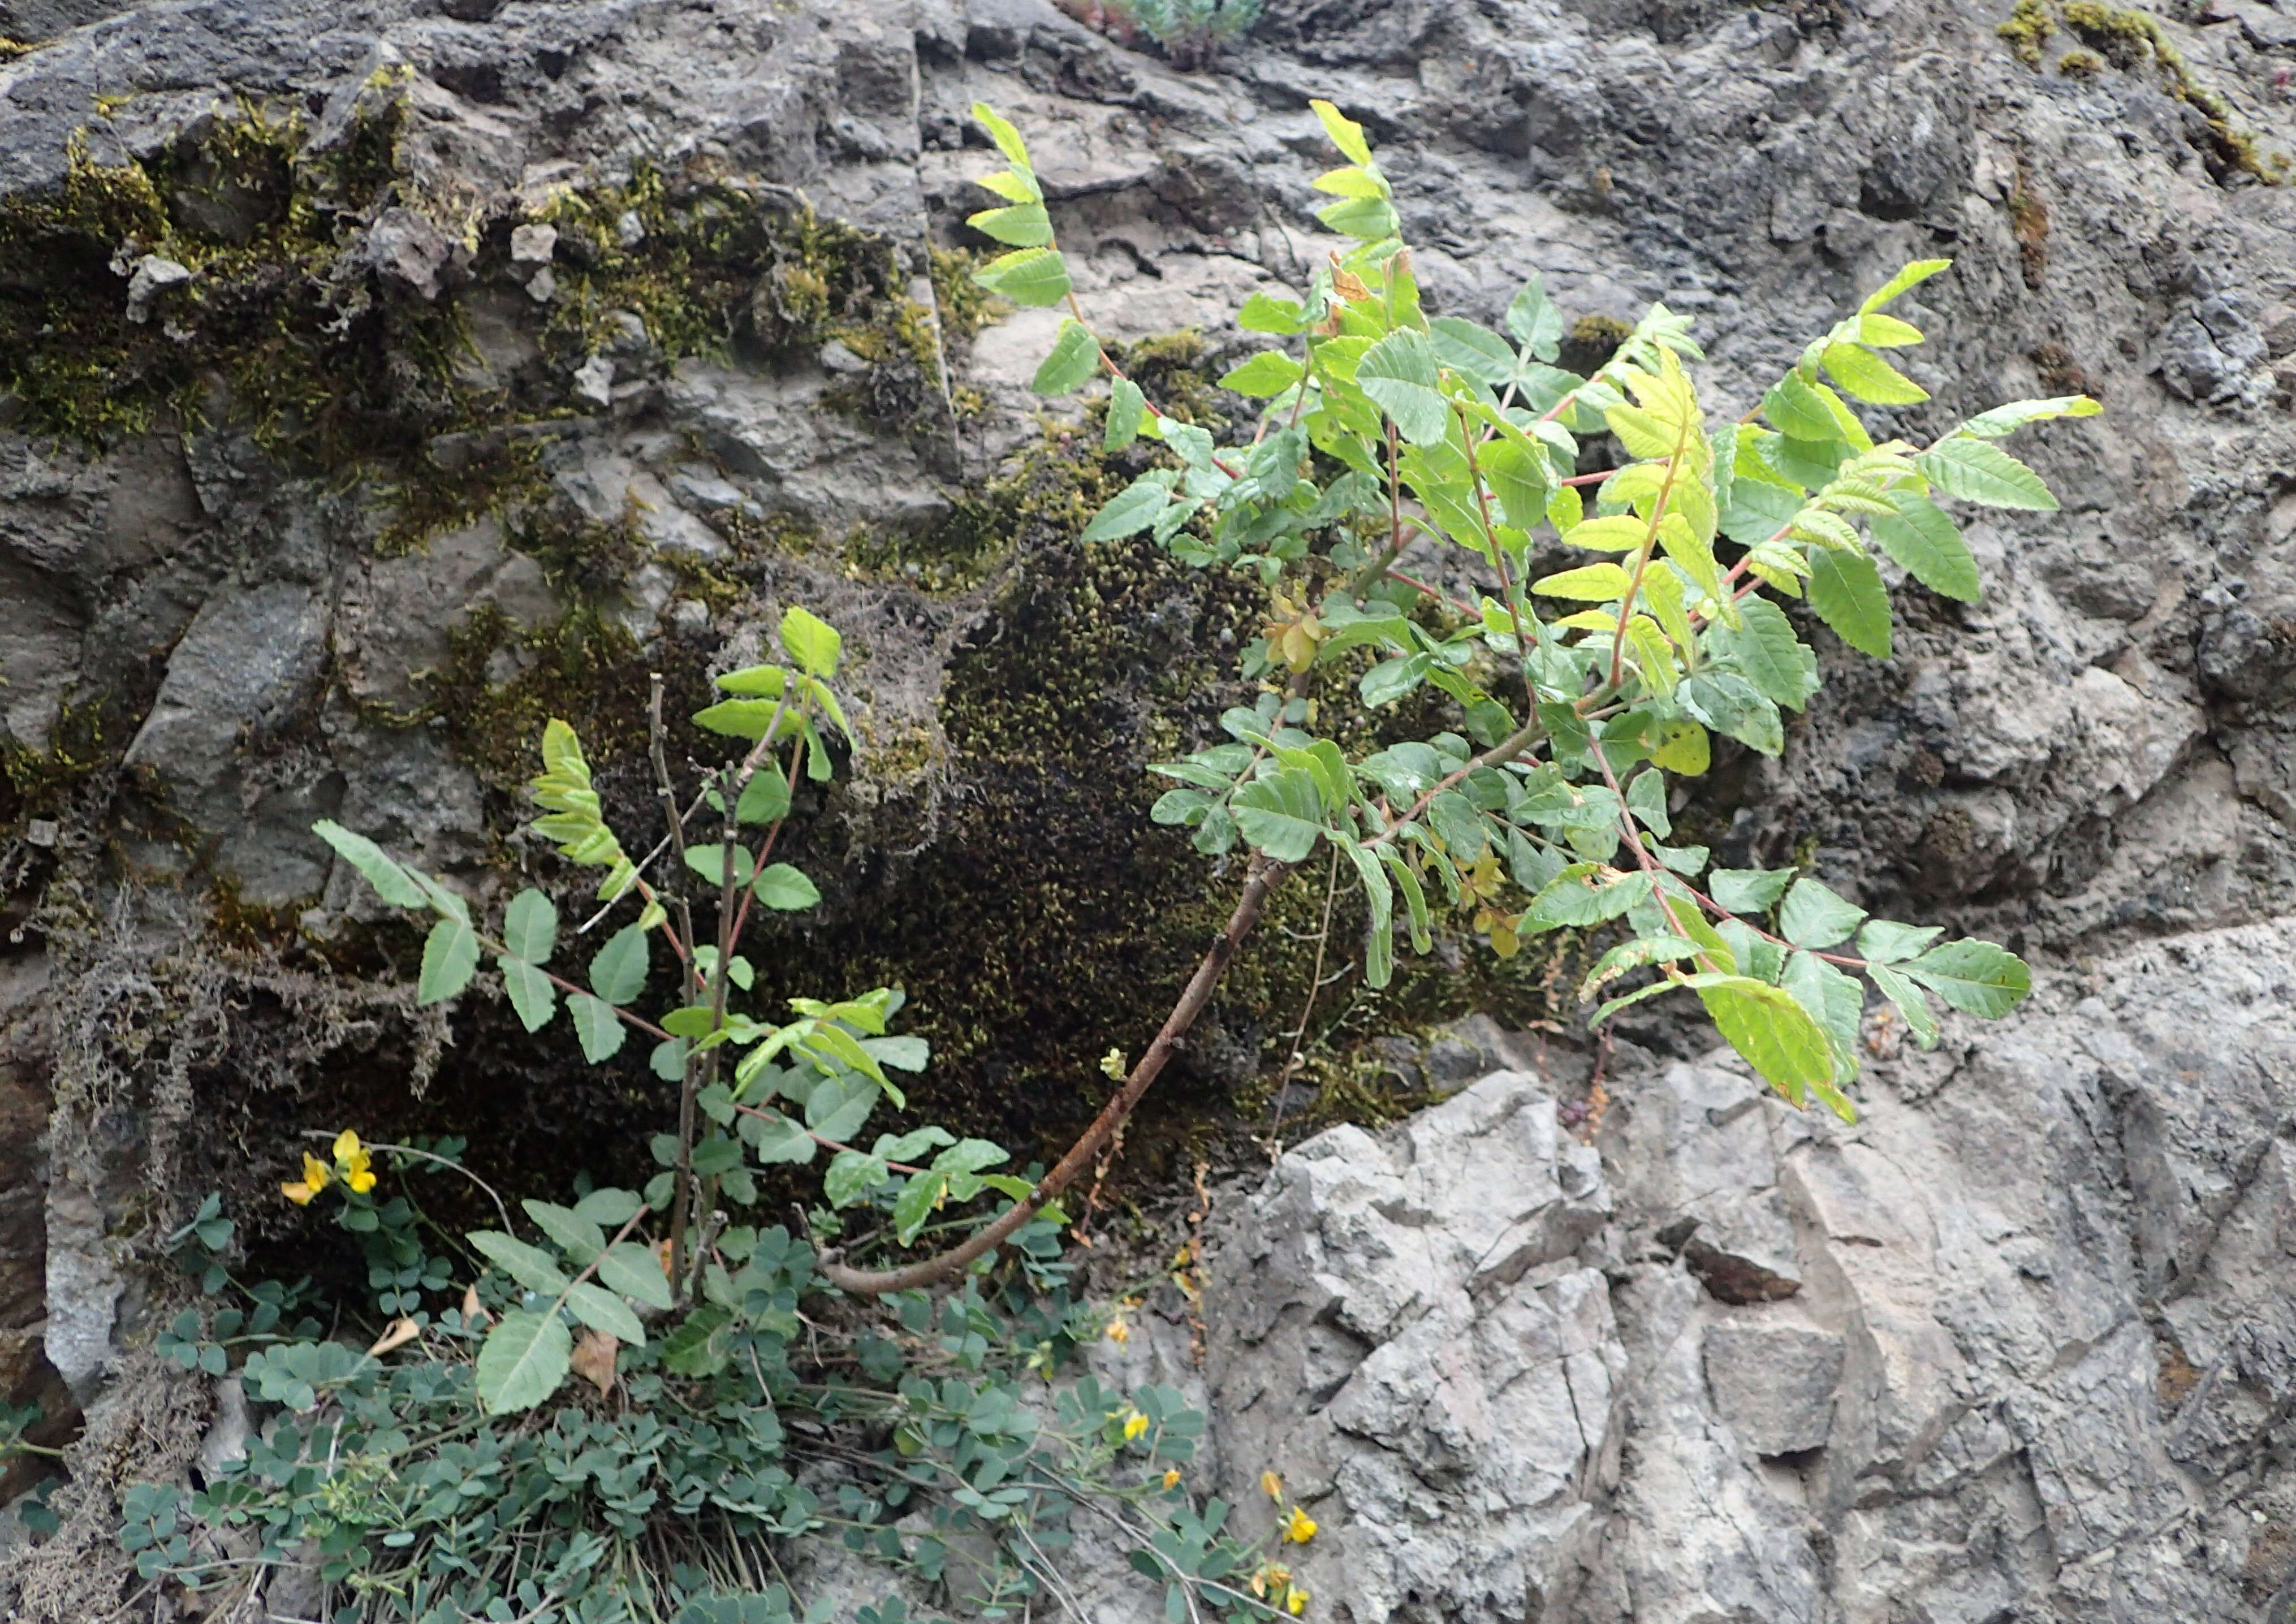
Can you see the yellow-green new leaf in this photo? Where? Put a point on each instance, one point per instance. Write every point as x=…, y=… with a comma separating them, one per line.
x=1619, y=533
x=1346, y=134
x=811, y=641
x=1769, y=1027
x=1020, y=226
x=1032, y=276
x=1865, y=375
x=1350, y=182
x=1918, y=272
x=1592, y=583
x=1007, y=139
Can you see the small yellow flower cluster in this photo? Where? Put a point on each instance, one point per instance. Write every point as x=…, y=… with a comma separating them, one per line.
x=1135, y=1425
x=1301, y=1527
x=352, y=1165
x=1274, y=1584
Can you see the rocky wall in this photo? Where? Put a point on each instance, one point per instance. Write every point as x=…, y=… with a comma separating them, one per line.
x=652, y=323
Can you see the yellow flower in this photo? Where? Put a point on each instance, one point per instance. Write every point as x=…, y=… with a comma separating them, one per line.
x=352, y=1158
x=1271, y=1486
x=1117, y=1331
x=1296, y=1602
x=1300, y=1528
x=316, y=1176
x=1135, y=1425
x=1172, y=1477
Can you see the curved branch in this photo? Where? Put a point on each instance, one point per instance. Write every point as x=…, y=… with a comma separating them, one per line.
x=873, y=1283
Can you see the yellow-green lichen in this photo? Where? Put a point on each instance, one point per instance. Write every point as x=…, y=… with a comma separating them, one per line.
x=2132, y=41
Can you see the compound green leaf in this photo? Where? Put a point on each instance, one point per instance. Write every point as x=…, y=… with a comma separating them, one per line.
x=1910, y=1003
x=1282, y=816
x=531, y=994
x=1797, y=411
x=530, y=927
x=1271, y=371
x=1619, y=533
x=851, y=1176
x=711, y=863
x=811, y=641
x=1535, y=321
x=1846, y=590
x=1768, y=1025
x=1887, y=942
x=1133, y=508
x=1366, y=219
x=1866, y=376
x=1128, y=409
x=1972, y=975
x=391, y=883
x=1032, y=276
x=601, y=1310
x=765, y=798
x=450, y=955
x=1979, y=470
x=1266, y=313
x=1750, y=891
x=744, y=718
x=1684, y=747
x=1398, y=373
x=1472, y=350
x=598, y=1027
x=1022, y=225
x=532, y=1267
x=609, y=1206
x=618, y=973
x=912, y=1209
x=1590, y=583
x=1585, y=899
x=1517, y=476
x=1766, y=649
x=2004, y=419
x=578, y=1237
x=780, y=886
x=1074, y=358
x=633, y=1270
x=1927, y=546
x=1735, y=707
x=1813, y=915
x=1919, y=271
x=1000, y=131
x=522, y=1361
x=1346, y=134
x=1837, y=1002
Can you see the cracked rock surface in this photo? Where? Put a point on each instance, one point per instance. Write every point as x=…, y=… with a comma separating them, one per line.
x=2036, y=1358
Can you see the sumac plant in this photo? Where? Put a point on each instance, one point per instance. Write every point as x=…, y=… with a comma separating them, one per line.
x=1577, y=695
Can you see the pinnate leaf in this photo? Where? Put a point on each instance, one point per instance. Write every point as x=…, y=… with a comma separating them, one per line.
x=450, y=957
x=390, y=882
x=1768, y=1025
x=522, y=1361
x=1972, y=975
x=1846, y=590
x=1813, y=915
x=1075, y=357
x=601, y=1310
x=1979, y=470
